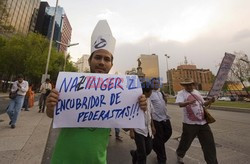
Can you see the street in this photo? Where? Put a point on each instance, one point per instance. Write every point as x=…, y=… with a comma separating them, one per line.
x=231, y=133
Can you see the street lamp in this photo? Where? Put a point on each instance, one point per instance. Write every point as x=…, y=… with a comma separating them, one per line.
x=50, y=42
x=168, y=78
x=65, y=54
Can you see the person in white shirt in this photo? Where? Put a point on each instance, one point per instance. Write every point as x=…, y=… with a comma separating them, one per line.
x=45, y=91
x=143, y=137
x=194, y=123
x=20, y=87
x=161, y=122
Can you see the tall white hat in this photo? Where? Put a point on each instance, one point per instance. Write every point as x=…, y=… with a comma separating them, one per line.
x=102, y=38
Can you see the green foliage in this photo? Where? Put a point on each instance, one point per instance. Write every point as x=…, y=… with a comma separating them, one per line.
x=4, y=24
x=28, y=55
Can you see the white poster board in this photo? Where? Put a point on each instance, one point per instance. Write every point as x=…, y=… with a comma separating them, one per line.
x=222, y=74
x=98, y=100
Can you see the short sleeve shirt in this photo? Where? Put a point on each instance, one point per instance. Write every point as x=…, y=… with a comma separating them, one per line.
x=160, y=111
x=193, y=113
x=147, y=114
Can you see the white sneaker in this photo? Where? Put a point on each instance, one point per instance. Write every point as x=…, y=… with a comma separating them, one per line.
x=180, y=160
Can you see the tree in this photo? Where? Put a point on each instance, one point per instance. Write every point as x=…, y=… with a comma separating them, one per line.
x=69, y=65
x=27, y=54
x=240, y=70
x=4, y=24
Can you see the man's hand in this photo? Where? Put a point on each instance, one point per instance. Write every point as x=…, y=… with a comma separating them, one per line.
x=186, y=103
x=210, y=101
x=153, y=130
x=51, y=102
x=18, y=85
x=143, y=102
x=191, y=102
x=132, y=134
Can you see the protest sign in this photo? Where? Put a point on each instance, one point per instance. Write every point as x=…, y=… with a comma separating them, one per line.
x=222, y=73
x=98, y=100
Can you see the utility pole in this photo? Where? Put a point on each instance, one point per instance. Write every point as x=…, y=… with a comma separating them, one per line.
x=168, y=78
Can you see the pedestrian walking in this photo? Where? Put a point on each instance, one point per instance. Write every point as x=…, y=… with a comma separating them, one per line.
x=161, y=121
x=18, y=92
x=143, y=137
x=27, y=98
x=45, y=90
x=194, y=123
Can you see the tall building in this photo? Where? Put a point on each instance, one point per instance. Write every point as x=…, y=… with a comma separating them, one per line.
x=42, y=23
x=66, y=34
x=149, y=65
x=22, y=14
x=202, y=77
x=63, y=28
x=82, y=64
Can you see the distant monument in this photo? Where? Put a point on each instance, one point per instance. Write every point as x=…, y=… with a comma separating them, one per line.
x=140, y=74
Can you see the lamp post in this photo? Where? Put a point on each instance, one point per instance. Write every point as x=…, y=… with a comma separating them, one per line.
x=168, y=78
x=65, y=54
x=50, y=42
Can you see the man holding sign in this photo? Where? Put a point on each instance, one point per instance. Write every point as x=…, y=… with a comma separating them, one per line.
x=88, y=145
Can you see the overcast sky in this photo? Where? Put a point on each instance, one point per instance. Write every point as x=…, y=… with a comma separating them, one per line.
x=201, y=30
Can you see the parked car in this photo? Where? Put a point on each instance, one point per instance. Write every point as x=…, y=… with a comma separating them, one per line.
x=233, y=98
x=224, y=99
x=247, y=99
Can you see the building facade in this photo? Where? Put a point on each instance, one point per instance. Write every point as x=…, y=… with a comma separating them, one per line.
x=66, y=34
x=22, y=14
x=202, y=77
x=82, y=64
x=149, y=65
x=63, y=28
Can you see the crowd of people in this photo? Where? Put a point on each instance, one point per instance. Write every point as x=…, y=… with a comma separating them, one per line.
x=89, y=145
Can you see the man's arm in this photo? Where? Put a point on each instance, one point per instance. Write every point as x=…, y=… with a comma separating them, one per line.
x=184, y=104
x=209, y=102
x=143, y=102
x=51, y=102
x=41, y=87
x=132, y=133
x=153, y=126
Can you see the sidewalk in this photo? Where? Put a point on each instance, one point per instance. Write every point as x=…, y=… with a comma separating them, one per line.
x=25, y=143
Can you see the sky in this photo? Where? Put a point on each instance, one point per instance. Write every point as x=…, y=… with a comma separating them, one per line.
x=201, y=30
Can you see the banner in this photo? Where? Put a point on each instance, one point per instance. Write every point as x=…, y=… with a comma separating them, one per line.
x=98, y=100
x=222, y=74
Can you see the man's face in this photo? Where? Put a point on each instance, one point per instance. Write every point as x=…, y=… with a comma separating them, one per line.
x=148, y=94
x=189, y=87
x=156, y=84
x=20, y=80
x=101, y=62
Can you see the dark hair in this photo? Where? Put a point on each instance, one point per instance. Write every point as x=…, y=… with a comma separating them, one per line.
x=20, y=76
x=154, y=78
x=146, y=87
x=47, y=80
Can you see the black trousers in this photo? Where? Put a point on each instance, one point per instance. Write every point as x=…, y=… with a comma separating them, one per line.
x=42, y=102
x=144, y=147
x=205, y=136
x=163, y=133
